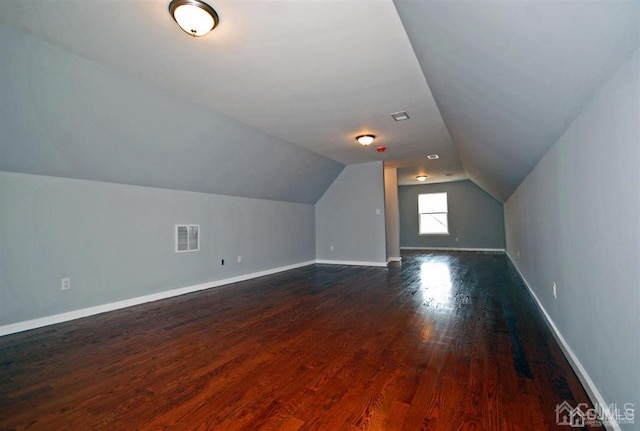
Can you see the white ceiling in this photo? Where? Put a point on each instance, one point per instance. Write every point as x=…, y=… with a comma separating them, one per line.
x=314, y=73
x=507, y=76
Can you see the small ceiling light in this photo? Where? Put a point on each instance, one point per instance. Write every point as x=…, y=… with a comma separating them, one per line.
x=195, y=17
x=433, y=157
x=421, y=178
x=365, y=139
x=400, y=116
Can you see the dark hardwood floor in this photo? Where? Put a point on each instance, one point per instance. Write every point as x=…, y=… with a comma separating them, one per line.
x=445, y=341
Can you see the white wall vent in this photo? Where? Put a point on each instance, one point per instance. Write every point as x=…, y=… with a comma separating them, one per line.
x=187, y=237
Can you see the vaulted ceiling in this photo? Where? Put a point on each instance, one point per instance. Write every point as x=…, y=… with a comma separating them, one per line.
x=269, y=103
x=510, y=76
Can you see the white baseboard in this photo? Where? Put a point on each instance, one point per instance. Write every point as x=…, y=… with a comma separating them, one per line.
x=90, y=311
x=575, y=363
x=350, y=262
x=394, y=259
x=492, y=250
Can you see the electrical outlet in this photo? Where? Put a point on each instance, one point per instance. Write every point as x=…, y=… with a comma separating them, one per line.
x=457, y=239
x=239, y=259
x=330, y=248
x=518, y=254
x=65, y=284
x=555, y=296
x=377, y=211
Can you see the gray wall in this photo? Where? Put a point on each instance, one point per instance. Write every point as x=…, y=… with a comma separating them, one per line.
x=347, y=219
x=575, y=221
x=64, y=115
x=117, y=242
x=392, y=212
x=476, y=219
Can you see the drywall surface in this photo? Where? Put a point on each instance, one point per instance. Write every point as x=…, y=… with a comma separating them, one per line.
x=350, y=216
x=64, y=115
x=392, y=212
x=476, y=220
x=575, y=221
x=116, y=241
x=509, y=76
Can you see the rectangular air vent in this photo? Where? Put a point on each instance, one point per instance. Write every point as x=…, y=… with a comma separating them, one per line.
x=187, y=237
x=400, y=116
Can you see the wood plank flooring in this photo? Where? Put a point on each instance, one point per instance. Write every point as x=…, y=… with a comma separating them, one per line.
x=444, y=341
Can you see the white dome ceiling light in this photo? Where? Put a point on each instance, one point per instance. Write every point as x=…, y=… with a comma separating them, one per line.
x=365, y=139
x=195, y=17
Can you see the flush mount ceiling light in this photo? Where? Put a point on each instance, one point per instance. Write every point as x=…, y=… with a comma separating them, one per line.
x=433, y=157
x=365, y=139
x=421, y=178
x=195, y=17
x=400, y=116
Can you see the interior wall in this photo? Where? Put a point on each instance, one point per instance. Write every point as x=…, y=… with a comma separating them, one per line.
x=392, y=213
x=476, y=219
x=575, y=221
x=116, y=241
x=350, y=219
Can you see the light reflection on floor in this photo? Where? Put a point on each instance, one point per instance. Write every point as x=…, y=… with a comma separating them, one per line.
x=435, y=283
x=435, y=298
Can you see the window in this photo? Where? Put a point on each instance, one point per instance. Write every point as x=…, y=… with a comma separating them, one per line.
x=433, y=213
x=187, y=238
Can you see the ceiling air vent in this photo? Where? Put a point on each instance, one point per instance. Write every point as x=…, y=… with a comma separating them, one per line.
x=187, y=237
x=400, y=116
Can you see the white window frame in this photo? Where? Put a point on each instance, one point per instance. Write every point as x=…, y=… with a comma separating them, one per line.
x=446, y=213
x=190, y=248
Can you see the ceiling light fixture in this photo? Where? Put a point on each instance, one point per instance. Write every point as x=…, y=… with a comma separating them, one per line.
x=195, y=17
x=365, y=139
x=400, y=116
x=421, y=178
x=433, y=157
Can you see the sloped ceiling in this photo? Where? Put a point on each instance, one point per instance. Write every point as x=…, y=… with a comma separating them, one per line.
x=63, y=115
x=312, y=73
x=510, y=76
x=268, y=104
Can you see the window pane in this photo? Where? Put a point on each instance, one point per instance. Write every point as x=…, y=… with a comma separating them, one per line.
x=432, y=203
x=183, y=238
x=193, y=237
x=434, y=223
